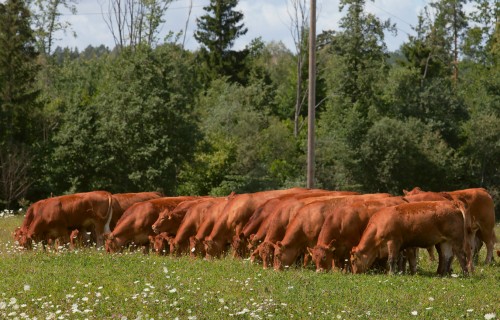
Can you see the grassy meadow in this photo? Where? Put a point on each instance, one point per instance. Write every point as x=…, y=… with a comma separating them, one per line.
x=90, y=284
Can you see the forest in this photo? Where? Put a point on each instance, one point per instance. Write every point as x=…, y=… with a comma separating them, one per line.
x=150, y=115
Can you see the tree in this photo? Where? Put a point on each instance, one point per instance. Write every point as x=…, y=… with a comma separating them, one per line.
x=136, y=126
x=299, y=29
x=356, y=67
x=46, y=20
x=135, y=22
x=217, y=31
x=18, y=70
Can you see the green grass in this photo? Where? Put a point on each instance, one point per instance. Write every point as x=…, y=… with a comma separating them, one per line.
x=90, y=284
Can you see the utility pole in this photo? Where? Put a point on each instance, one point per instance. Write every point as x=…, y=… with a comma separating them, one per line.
x=312, y=96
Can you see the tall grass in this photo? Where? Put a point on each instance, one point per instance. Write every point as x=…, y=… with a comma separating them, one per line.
x=90, y=284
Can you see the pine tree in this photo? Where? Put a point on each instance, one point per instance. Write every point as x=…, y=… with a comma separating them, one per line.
x=217, y=31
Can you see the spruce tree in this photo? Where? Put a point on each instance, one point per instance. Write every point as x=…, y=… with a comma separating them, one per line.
x=217, y=32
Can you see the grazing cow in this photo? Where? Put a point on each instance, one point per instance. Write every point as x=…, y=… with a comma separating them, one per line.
x=20, y=234
x=169, y=220
x=134, y=227
x=482, y=215
x=58, y=216
x=160, y=243
x=123, y=201
x=274, y=227
x=419, y=224
x=342, y=230
x=240, y=245
x=303, y=230
x=194, y=217
x=196, y=246
x=235, y=215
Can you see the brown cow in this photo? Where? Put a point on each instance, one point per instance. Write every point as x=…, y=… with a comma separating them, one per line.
x=123, y=201
x=20, y=234
x=274, y=227
x=342, y=230
x=135, y=224
x=240, y=245
x=419, y=224
x=482, y=214
x=160, y=243
x=196, y=246
x=303, y=230
x=190, y=224
x=169, y=220
x=57, y=216
x=234, y=216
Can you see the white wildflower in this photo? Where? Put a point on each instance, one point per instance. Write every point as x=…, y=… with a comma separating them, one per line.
x=470, y=310
x=165, y=270
x=172, y=290
x=414, y=313
x=27, y=287
x=3, y=305
x=490, y=316
x=221, y=300
x=243, y=311
x=431, y=299
x=454, y=275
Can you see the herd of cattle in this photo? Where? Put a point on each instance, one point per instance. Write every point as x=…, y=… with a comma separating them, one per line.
x=279, y=228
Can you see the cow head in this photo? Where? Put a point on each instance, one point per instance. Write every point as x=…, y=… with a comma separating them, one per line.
x=266, y=253
x=159, y=224
x=414, y=191
x=358, y=261
x=252, y=242
x=196, y=247
x=111, y=243
x=239, y=245
x=255, y=256
x=284, y=256
x=160, y=243
x=322, y=256
x=213, y=248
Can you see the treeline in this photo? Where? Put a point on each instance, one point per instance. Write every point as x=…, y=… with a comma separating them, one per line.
x=154, y=116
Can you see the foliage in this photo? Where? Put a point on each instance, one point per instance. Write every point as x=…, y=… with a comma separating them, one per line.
x=217, y=31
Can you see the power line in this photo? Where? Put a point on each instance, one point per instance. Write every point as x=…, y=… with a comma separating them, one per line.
x=100, y=13
x=393, y=15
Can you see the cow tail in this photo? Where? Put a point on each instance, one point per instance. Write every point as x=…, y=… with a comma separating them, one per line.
x=109, y=214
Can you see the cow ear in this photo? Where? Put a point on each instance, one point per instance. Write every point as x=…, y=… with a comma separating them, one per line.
x=405, y=192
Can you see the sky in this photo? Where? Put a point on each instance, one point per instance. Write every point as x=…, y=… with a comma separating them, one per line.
x=268, y=19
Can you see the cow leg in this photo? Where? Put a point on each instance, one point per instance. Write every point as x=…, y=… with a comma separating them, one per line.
x=490, y=240
x=145, y=249
x=392, y=253
x=461, y=256
x=445, y=258
x=411, y=256
x=430, y=251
